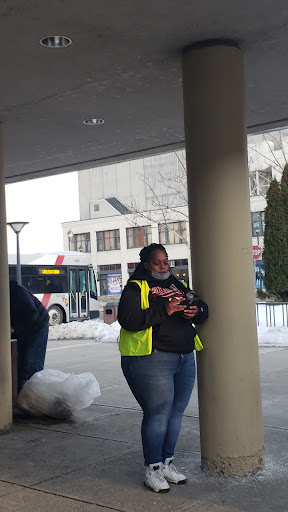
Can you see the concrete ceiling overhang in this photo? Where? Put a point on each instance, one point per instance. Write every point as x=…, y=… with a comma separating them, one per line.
x=123, y=66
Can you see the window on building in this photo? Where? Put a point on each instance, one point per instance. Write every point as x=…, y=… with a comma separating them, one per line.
x=138, y=236
x=81, y=242
x=172, y=233
x=108, y=240
x=110, y=279
x=178, y=263
x=180, y=269
x=259, y=182
x=257, y=221
x=132, y=266
x=181, y=263
x=114, y=266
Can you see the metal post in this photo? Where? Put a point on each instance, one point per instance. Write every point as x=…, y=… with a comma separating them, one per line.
x=70, y=235
x=18, y=268
x=17, y=228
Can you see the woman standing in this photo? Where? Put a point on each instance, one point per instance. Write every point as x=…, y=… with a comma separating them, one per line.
x=157, y=358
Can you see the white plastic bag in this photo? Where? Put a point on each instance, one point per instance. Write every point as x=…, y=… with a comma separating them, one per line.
x=57, y=394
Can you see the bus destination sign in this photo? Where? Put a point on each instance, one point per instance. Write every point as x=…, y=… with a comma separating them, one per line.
x=50, y=271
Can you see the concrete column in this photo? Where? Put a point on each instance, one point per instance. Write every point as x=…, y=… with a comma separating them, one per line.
x=5, y=343
x=221, y=253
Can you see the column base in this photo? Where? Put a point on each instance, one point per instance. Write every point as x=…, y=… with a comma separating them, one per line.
x=234, y=466
x=6, y=429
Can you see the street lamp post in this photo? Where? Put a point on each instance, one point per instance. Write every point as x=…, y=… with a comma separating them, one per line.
x=17, y=227
x=70, y=235
x=257, y=231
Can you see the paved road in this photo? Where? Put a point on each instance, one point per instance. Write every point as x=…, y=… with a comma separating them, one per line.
x=103, y=360
x=94, y=463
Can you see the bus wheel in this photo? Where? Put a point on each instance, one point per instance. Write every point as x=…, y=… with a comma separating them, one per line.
x=55, y=315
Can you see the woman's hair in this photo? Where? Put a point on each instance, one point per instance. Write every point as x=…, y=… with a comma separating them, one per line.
x=146, y=252
x=145, y=256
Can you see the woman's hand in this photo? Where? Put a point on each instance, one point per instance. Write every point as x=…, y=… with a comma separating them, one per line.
x=172, y=306
x=191, y=312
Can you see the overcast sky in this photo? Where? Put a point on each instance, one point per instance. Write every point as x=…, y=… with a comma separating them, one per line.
x=44, y=203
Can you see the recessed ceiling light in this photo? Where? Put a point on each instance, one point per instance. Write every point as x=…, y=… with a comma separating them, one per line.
x=93, y=122
x=55, y=41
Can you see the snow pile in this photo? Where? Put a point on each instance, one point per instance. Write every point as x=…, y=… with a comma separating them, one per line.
x=272, y=336
x=97, y=330
x=88, y=329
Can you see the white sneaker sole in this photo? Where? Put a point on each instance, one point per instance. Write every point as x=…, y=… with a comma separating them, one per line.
x=162, y=491
x=181, y=482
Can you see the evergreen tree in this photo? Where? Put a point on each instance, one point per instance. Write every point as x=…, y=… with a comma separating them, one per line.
x=284, y=190
x=275, y=254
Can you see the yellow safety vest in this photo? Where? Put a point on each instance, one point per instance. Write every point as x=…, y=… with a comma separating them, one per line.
x=139, y=343
x=197, y=341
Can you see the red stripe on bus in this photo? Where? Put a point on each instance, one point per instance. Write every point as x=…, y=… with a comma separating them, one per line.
x=59, y=260
x=45, y=300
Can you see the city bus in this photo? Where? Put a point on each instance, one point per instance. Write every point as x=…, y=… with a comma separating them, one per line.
x=64, y=282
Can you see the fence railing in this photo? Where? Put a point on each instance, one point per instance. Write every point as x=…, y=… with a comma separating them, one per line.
x=273, y=313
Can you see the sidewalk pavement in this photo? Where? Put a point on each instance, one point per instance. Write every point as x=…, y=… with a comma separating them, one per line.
x=94, y=463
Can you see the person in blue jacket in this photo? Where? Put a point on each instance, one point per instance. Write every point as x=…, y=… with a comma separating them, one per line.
x=29, y=325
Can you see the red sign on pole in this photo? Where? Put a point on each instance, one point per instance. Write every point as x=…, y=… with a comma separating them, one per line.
x=257, y=252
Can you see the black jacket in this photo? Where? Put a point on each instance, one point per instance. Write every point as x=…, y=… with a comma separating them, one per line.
x=27, y=314
x=170, y=333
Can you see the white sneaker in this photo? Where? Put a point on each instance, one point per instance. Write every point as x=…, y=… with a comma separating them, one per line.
x=171, y=474
x=155, y=479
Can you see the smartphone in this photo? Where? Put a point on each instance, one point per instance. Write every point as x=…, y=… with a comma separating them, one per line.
x=189, y=303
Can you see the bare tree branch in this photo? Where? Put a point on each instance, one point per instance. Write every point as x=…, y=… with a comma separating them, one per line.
x=164, y=205
x=266, y=158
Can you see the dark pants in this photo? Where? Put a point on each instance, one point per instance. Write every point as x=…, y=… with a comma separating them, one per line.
x=31, y=354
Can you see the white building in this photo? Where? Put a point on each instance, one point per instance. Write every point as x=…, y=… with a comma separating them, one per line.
x=125, y=206
x=131, y=204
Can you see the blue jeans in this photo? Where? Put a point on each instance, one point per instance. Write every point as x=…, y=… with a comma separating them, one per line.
x=162, y=384
x=31, y=355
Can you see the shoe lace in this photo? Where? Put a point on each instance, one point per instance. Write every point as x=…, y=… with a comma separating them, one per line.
x=171, y=467
x=158, y=473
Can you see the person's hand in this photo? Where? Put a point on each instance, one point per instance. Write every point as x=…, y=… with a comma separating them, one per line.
x=12, y=330
x=172, y=306
x=191, y=312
